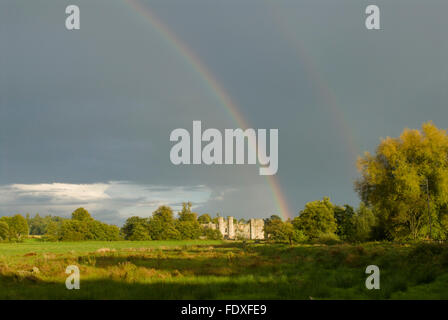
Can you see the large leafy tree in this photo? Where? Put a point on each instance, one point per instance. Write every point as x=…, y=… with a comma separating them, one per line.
x=132, y=224
x=139, y=233
x=80, y=227
x=81, y=214
x=316, y=219
x=406, y=180
x=17, y=226
x=53, y=231
x=187, y=223
x=189, y=229
x=278, y=230
x=75, y=230
x=164, y=214
x=37, y=224
x=161, y=225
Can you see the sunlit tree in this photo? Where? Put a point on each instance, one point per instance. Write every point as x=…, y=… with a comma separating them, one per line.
x=406, y=180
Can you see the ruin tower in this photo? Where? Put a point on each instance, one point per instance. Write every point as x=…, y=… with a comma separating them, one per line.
x=221, y=226
x=259, y=229
x=252, y=228
x=230, y=228
x=256, y=229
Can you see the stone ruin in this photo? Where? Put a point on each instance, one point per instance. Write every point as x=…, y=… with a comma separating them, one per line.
x=252, y=230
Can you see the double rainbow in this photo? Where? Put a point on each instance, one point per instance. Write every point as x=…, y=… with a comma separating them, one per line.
x=215, y=88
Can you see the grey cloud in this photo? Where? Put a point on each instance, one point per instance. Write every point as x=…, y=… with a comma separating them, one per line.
x=99, y=104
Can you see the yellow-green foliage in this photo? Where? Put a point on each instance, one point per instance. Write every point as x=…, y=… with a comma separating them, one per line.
x=401, y=178
x=317, y=219
x=17, y=228
x=81, y=227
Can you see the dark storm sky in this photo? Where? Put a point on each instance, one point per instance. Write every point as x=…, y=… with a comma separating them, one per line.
x=85, y=116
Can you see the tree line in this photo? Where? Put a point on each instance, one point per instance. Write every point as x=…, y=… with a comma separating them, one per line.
x=403, y=187
x=323, y=221
x=319, y=220
x=162, y=225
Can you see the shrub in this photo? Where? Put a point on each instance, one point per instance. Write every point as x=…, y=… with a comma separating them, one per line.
x=298, y=236
x=212, y=234
x=328, y=239
x=425, y=252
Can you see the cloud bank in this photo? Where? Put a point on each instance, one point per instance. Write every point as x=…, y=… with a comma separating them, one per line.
x=111, y=202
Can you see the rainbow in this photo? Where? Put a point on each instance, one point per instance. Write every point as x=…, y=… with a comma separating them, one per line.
x=214, y=86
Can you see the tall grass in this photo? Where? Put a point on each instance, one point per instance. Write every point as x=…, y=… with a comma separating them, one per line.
x=221, y=270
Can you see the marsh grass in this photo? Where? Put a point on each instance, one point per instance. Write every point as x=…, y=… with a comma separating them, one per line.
x=221, y=270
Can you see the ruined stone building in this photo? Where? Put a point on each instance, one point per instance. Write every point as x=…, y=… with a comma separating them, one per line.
x=254, y=229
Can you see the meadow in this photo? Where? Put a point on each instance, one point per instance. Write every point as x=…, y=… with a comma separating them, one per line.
x=205, y=269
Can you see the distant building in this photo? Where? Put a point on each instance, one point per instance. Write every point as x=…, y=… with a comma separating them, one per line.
x=252, y=230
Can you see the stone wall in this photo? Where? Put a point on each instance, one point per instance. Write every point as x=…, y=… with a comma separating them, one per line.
x=252, y=230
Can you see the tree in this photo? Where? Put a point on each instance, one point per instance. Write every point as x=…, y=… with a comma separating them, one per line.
x=131, y=224
x=205, y=218
x=164, y=214
x=81, y=227
x=363, y=222
x=275, y=217
x=316, y=219
x=186, y=214
x=189, y=230
x=288, y=231
x=52, y=232
x=344, y=219
x=81, y=214
x=278, y=230
x=17, y=226
x=161, y=224
x=96, y=230
x=405, y=178
x=171, y=233
x=212, y=234
x=37, y=225
x=187, y=224
x=272, y=226
x=139, y=233
x=112, y=232
x=4, y=231
x=74, y=230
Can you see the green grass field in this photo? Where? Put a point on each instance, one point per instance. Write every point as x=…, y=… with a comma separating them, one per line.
x=221, y=270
